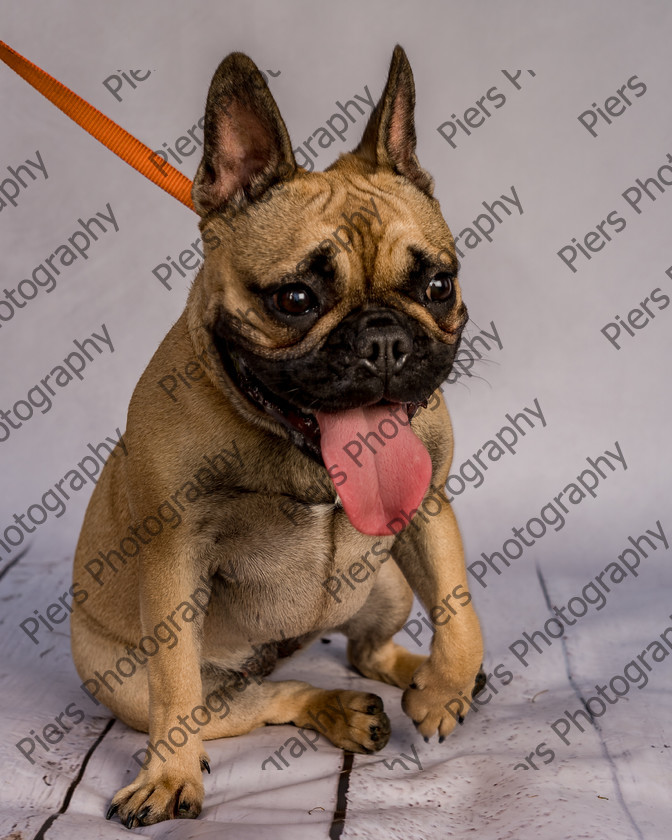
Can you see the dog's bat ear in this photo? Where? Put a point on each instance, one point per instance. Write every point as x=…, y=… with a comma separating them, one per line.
x=389, y=137
x=246, y=147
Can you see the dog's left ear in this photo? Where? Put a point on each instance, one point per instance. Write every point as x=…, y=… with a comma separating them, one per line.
x=246, y=146
x=389, y=138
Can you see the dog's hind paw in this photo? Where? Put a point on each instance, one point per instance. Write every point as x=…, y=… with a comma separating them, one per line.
x=352, y=720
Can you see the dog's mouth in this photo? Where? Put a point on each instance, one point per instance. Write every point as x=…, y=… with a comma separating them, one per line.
x=303, y=428
x=378, y=465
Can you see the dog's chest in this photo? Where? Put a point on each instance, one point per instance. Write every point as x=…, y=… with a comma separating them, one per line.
x=286, y=568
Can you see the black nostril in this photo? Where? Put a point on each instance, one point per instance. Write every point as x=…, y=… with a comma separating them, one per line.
x=400, y=350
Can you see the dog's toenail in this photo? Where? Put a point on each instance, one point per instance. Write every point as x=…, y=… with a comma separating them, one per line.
x=111, y=811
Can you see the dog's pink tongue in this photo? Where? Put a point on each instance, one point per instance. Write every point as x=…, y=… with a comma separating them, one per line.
x=385, y=478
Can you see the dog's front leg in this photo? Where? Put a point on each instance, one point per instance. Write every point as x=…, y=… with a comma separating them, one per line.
x=169, y=785
x=429, y=553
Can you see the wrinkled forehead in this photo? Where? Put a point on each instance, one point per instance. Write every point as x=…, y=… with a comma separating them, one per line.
x=364, y=220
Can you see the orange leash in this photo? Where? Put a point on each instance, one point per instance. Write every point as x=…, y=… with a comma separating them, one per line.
x=117, y=139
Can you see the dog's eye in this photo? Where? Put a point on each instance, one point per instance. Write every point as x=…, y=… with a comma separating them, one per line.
x=439, y=288
x=295, y=300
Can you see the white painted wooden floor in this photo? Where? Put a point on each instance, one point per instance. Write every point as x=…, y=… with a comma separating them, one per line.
x=610, y=782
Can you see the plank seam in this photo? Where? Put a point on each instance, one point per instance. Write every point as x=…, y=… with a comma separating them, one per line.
x=68, y=796
x=596, y=726
x=13, y=562
x=338, y=822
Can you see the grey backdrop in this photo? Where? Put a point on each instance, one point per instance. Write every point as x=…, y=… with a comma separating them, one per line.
x=594, y=397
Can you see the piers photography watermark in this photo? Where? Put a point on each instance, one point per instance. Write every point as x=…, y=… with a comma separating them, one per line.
x=568, y=293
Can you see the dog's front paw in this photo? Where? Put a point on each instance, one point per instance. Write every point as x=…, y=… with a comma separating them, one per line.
x=157, y=796
x=436, y=704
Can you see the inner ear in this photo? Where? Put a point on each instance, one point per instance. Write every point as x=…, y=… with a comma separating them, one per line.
x=401, y=132
x=246, y=144
x=389, y=138
x=242, y=151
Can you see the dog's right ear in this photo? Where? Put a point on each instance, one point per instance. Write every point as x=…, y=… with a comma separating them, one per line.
x=246, y=146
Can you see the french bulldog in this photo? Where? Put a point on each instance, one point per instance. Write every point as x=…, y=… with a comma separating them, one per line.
x=296, y=485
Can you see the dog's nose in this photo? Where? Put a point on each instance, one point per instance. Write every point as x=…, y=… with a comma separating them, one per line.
x=383, y=348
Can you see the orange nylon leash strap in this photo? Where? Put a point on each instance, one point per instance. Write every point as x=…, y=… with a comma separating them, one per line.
x=117, y=139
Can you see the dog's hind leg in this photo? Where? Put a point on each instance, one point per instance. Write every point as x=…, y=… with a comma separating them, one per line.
x=370, y=647
x=352, y=720
x=169, y=784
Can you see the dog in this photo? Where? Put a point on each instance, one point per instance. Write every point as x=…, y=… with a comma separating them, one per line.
x=296, y=485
